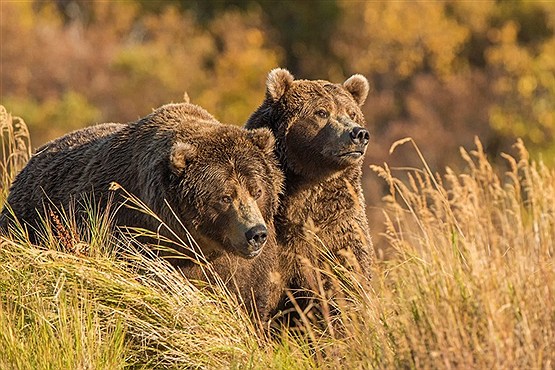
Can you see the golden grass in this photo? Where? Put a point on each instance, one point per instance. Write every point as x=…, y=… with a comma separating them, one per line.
x=471, y=284
x=15, y=149
x=473, y=281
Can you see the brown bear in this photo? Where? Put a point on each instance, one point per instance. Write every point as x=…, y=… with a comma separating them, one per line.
x=320, y=144
x=219, y=182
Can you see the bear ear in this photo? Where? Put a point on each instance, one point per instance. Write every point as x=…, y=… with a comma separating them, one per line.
x=278, y=82
x=358, y=86
x=181, y=154
x=263, y=139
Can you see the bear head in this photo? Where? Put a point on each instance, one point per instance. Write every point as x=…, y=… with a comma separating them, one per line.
x=225, y=184
x=318, y=125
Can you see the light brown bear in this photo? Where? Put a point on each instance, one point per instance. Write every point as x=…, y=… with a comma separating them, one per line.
x=320, y=144
x=221, y=181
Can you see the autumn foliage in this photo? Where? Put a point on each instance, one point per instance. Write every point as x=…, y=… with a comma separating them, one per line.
x=442, y=72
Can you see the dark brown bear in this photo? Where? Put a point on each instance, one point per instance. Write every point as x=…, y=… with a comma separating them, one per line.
x=222, y=182
x=320, y=143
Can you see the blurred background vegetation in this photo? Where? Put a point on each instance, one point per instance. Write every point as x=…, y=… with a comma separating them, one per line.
x=441, y=71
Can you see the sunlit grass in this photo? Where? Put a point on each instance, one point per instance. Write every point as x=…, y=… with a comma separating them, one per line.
x=473, y=281
x=470, y=284
x=15, y=149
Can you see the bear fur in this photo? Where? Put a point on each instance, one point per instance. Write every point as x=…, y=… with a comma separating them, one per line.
x=256, y=282
x=222, y=182
x=320, y=144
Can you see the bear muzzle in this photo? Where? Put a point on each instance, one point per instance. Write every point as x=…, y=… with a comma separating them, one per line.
x=359, y=136
x=355, y=147
x=256, y=239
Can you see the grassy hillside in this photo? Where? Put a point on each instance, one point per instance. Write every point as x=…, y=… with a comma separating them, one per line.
x=470, y=283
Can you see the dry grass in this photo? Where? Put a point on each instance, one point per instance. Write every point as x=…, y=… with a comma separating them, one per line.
x=471, y=284
x=473, y=281
x=15, y=151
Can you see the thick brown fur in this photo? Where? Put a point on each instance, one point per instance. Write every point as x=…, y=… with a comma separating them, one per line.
x=257, y=282
x=323, y=204
x=219, y=180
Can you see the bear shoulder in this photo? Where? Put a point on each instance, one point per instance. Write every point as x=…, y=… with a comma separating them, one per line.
x=183, y=112
x=80, y=137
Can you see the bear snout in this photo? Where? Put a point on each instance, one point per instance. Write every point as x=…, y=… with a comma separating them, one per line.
x=359, y=136
x=257, y=236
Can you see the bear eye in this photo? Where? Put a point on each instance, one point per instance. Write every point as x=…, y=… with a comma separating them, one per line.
x=257, y=193
x=352, y=115
x=322, y=113
x=226, y=199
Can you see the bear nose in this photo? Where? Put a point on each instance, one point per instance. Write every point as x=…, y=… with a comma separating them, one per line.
x=360, y=135
x=257, y=235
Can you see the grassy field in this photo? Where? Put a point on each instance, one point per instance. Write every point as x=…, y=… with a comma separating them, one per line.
x=469, y=283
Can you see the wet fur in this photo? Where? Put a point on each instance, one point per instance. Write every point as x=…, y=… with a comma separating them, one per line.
x=141, y=157
x=323, y=202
